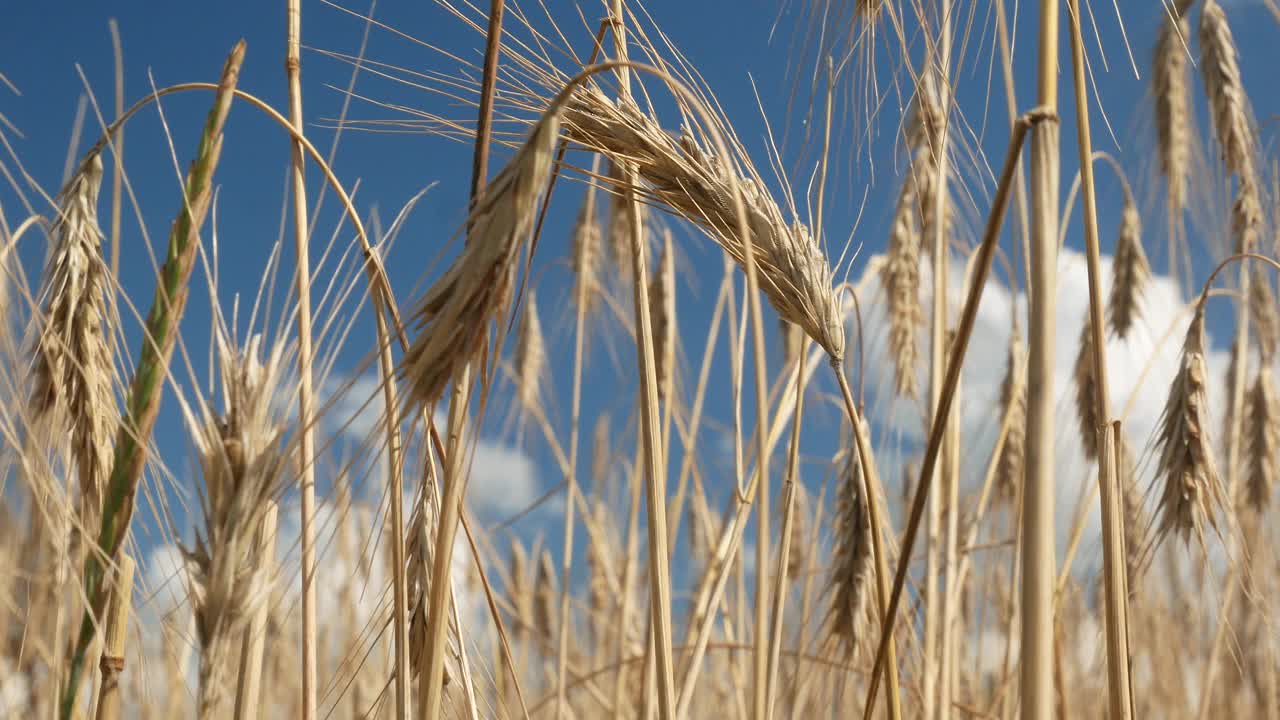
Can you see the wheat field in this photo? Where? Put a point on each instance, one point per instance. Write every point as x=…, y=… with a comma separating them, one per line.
x=930, y=374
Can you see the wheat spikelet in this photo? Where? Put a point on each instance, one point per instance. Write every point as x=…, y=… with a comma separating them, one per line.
x=544, y=597
x=1086, y=392
x=850, y=581
x=798, y=557
x=1172, y=91
x=1263, y=318
x=684, y=177
x=519, y=592
x=619, y=228
x=452, y=319
x=662, y=316
x=601, y=451
x=1013, y=402
x=530, y=357
x=1130, y=272
x=586, y=250
x=792, y=341
x=900, y=278
x=925, y=138
x=1135, y=517
x=1192, y=489
x=243, y=464
x=1220, y=66
x=73, y=368
x=1263, y=436
x=1246, y=216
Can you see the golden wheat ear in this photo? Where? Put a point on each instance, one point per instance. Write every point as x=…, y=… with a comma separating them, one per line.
x=1192, y=492
x=452, y=320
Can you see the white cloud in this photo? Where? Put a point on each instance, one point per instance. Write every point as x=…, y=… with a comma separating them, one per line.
x=504, y=480
x=1140, y=370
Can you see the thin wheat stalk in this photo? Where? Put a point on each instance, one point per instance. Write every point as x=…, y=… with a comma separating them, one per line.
x=306, y=389
x=116, y=635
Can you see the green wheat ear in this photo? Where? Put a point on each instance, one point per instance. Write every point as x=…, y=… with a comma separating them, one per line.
x=147, y=386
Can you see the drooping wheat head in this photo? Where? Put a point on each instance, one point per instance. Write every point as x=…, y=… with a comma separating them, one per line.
x=1220, y=67
x=683, y=176
x=1192, y=492
x=452, y=319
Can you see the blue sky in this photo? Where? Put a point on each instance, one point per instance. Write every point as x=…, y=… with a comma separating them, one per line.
x=728, y=42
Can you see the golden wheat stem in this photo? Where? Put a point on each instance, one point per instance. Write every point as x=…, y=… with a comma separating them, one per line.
x=306, y=389
x=1036, y=655
x=880, y=531
x=937, y=640
x=784, y=549
x=676, y=511
x=117, y=632
x=1118, y=683
x=654, y=462
x=582, y=288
